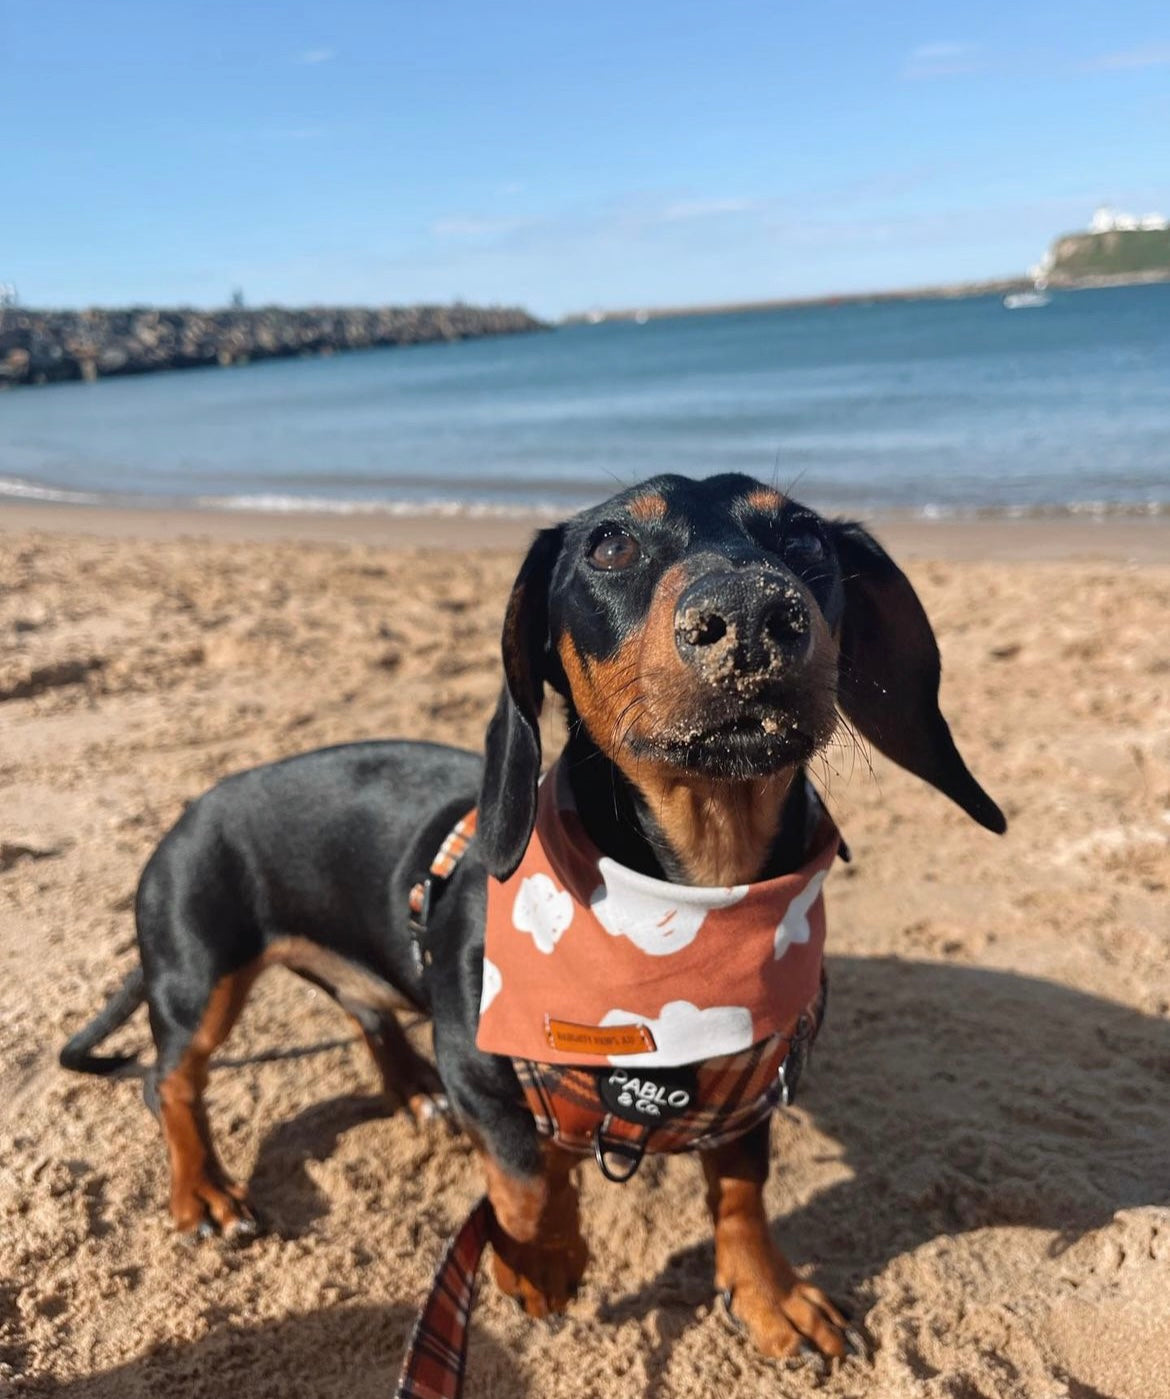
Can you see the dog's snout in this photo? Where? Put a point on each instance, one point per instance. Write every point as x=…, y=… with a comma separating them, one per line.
x=786, y=622
x=743, y=623
x=703, y=628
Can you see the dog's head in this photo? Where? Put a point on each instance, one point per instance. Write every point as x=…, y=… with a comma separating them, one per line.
x=713, y=628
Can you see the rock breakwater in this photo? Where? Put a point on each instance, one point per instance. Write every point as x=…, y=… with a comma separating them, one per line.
x=39, y=347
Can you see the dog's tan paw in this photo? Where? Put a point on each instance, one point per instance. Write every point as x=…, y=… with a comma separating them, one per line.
x=428, y=1106
x=787, y=1322
x=206, y=1210
x=543, y=1278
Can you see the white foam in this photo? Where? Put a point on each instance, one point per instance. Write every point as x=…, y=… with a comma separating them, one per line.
x=17, y=489
x=1090, y=509
x=325, y=505
x=278, y=503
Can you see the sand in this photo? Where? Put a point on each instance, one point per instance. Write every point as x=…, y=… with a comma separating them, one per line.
x=980, y=1161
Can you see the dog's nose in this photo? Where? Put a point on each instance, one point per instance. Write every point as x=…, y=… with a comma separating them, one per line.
x=743, y=623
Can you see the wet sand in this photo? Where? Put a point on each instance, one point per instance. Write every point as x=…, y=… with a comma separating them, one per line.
x=1136, y=539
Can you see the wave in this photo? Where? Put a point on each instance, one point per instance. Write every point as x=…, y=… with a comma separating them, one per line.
x=16, y=489
x=277, y=503
x=1044, y=510
x=437, y=506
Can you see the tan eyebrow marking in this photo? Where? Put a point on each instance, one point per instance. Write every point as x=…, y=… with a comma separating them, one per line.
x=648, y=507
x=764, y=498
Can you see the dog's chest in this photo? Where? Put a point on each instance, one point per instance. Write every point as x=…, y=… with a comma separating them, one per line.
x=589, y=963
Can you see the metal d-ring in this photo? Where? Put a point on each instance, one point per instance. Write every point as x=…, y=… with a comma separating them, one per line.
x=630, y=1152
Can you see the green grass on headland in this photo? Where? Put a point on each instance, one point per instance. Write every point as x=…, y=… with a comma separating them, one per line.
x=1117, y=253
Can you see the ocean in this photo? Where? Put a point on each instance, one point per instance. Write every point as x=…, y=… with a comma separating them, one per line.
x=935, y=407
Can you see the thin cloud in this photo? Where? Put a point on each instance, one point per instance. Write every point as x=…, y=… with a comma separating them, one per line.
x=648, y=212
x=937, y=53
x=625, y=218
x=1149, y=56
x=310, y=57
x=685, y=209
x=471, y=226
x=291, y=133
x=944, y=59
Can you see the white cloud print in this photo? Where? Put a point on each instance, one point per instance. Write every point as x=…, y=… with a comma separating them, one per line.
x=492, y=984
x=542, y=910
x=651, y=913
x=685, y=1034
x=794, y=926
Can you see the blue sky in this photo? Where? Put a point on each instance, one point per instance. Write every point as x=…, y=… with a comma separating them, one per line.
x=643, y=153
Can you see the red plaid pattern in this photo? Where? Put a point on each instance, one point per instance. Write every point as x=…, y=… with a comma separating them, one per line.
x=437, y=1353
x=735, y=1092
x=452, y=850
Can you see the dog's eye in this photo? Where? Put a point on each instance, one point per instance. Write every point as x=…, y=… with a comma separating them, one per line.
x=805, y=546
x=616, y=551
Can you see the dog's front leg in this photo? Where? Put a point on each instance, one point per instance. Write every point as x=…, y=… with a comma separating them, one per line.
x=780, y=1312
x=540, y=1255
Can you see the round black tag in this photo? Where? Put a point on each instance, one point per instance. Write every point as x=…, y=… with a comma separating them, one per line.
x=647, y=1096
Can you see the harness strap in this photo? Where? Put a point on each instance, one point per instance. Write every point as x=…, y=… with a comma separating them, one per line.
x=436, y=1355
x=424, y=894
x=722, y=1098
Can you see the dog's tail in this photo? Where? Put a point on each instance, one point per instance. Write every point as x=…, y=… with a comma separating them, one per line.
x=121, y=1006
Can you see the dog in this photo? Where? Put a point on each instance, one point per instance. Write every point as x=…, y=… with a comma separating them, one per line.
x=708, y=638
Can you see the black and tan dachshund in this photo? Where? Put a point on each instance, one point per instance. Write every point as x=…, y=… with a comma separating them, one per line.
x=707, y=638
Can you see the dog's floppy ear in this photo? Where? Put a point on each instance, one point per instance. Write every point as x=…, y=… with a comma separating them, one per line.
x=889, y=674
x=507, y=798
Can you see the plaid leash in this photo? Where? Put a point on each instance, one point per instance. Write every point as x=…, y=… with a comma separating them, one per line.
x=436, y=1356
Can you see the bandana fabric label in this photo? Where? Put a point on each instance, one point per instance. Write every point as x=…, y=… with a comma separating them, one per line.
x=587, y=961
x=598, y=1039
x=648, y=1097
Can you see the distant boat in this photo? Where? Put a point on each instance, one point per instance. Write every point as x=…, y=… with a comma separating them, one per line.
x=1026, y=300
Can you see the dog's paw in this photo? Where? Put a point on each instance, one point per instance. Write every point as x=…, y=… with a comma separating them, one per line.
x=432, y=1109
x=795, y=1322
x=542, y=1277
x=204, y=1211
x=413, y=1085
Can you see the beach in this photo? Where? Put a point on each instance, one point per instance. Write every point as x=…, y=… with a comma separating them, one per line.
x=977, y=1164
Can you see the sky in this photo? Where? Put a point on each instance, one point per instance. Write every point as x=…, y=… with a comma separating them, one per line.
x=562, y=157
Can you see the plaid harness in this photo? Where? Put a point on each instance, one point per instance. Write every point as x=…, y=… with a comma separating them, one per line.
x=616, y=1114
x=581, y=1108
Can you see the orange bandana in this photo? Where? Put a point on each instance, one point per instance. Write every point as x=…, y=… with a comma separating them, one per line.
x=587, y=961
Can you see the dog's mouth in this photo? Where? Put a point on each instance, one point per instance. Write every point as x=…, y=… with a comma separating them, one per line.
x=755, y=739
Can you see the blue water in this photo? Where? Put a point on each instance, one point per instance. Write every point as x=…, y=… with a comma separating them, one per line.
x=928, y=405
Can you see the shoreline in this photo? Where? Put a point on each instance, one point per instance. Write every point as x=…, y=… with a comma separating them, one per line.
x=946, y=291
x=1141, y=539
